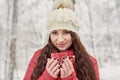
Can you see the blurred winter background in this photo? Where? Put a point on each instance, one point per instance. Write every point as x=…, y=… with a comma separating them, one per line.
x=22, y=31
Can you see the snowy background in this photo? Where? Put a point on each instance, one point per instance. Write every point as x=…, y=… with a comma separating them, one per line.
x=22, y=31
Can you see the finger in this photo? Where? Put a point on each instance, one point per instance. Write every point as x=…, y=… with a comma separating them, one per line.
x=57, y=72
x=69, y=63
x=66, y=63
x=62, y=73
x=55, y=62
x=64, y=67
x=49, y=62
x=56, y=68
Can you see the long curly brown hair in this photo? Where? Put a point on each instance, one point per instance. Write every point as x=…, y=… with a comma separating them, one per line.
x=83, y=65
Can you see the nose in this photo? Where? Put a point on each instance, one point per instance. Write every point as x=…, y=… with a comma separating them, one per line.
x=60, y=38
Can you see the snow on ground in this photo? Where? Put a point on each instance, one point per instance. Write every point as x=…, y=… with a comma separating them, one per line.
x=106, y=73
x=110, y=73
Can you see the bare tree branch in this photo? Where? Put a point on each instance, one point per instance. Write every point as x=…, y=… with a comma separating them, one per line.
x=12, y=49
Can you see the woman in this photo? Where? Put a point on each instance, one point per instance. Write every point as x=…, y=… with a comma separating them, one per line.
x=49, y=64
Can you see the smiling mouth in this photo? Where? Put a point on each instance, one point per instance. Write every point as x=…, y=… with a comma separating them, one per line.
x=61, y=45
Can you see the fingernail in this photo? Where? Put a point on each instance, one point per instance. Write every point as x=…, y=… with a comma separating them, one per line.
x=65, y=56
x=55, y=58
x=59, y=63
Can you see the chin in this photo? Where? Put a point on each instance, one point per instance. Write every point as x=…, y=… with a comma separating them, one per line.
x=62, y=49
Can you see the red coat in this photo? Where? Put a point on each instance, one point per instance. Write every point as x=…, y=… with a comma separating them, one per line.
x=46, y=76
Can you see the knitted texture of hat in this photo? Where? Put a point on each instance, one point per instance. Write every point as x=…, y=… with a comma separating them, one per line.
x=63, y=17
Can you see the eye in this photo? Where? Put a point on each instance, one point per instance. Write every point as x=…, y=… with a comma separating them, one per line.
x=54, y=32
x=66, y=32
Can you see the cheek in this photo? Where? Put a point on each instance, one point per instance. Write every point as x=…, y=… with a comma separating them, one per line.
x=69, y=38
x=70, y=42
x=52, y=39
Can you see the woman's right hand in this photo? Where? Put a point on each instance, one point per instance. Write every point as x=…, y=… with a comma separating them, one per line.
x=53, y=67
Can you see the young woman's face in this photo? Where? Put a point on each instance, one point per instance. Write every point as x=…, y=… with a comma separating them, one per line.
x=61, y=39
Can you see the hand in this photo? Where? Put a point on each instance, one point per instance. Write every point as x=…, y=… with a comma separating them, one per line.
x=67, y=68
x=52, y=67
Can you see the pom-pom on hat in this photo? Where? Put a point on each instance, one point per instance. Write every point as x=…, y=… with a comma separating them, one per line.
x=63, y=17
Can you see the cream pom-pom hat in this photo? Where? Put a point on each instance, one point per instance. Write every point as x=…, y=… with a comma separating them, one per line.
x=63, y=17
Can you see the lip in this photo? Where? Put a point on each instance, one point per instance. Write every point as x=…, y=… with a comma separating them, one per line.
x=61, y=45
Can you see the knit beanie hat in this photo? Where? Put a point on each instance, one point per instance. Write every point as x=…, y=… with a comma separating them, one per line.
x=62, y=17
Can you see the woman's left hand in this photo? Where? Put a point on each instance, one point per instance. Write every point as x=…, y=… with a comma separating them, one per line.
x=67, y=68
